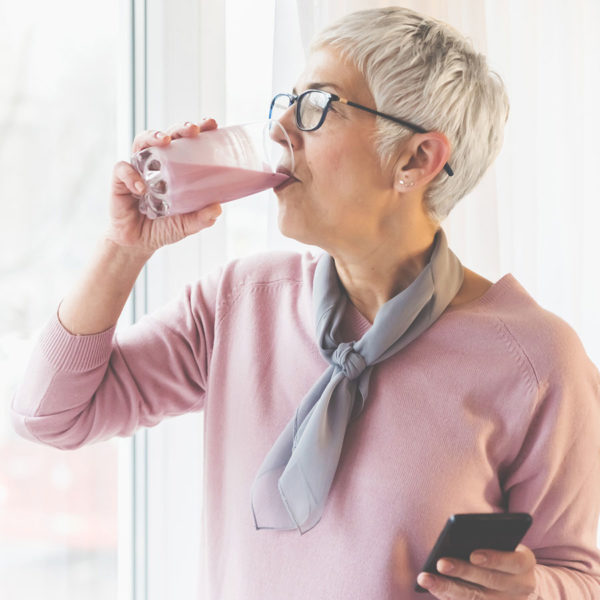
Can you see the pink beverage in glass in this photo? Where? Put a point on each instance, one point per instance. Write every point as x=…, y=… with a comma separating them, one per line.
x=219, y=165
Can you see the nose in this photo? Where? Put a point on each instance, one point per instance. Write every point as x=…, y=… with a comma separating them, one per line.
x=279, y=134
x=288, y=121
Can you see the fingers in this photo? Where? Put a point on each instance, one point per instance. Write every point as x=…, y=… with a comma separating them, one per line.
x=190, y=129
x=128, y=179
x=201, y=219
x=152, y=137
x=148, y=138
x=448, y=589
x=487, y=578
x=498, y=574
x=519, y=561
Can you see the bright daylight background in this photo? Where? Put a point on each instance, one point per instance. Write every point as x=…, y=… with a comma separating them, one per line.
x=78, y=79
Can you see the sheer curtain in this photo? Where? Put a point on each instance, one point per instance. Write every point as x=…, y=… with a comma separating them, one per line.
x=534, y=213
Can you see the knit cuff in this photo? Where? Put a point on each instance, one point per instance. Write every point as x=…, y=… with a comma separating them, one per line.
x=75, y=353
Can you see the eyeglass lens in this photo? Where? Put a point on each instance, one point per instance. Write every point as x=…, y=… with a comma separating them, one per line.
x=310, y=108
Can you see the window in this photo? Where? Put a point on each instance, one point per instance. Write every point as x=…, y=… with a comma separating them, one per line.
x=58, y=510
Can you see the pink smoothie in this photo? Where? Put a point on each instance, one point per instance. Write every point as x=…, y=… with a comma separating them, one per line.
x=190, y=187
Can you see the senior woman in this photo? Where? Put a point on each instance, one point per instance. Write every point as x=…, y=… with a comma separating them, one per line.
x=356, y=398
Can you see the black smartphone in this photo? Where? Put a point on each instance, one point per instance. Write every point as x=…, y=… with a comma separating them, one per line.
x=468, y=532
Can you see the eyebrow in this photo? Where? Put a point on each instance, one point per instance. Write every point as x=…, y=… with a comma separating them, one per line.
x=318, y=86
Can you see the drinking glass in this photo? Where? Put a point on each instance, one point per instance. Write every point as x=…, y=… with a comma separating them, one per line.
x=215, y=166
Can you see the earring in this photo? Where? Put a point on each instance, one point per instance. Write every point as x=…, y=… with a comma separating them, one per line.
x=407, y=183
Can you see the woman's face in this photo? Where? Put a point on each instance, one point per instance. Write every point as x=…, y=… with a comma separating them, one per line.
x=342, y=196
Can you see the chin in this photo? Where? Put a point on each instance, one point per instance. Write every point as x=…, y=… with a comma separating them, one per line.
x=296, y=229
x=292, y=221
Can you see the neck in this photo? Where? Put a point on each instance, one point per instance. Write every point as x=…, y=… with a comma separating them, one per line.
x=375, y=272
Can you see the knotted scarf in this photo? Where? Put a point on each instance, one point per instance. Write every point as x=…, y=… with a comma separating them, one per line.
x=292, y=484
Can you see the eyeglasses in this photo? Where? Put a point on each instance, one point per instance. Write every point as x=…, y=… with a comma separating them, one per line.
x=312, y=107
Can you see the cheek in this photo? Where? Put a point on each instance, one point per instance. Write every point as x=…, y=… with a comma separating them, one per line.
x=341, y=167
x=329, y=169
x=336, y=162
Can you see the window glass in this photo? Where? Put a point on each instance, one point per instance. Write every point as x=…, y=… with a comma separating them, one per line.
x=58, y=509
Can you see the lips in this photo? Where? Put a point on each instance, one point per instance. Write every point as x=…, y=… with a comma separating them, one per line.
x=285, y=171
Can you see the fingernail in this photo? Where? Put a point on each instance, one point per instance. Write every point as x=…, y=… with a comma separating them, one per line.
x=139, y=186
x=478, y=558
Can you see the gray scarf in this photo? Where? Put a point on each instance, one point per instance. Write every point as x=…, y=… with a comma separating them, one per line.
x=293, y=482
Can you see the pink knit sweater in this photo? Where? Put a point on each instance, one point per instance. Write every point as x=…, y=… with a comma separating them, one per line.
x=495, y=407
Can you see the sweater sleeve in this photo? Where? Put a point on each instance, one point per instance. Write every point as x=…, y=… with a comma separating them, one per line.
x=556, y=476
x=79, y=389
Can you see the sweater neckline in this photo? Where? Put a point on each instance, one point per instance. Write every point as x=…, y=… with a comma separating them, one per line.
x=491, y=294
x=359, y=324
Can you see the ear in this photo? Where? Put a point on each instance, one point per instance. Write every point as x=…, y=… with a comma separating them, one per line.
x=422, y=158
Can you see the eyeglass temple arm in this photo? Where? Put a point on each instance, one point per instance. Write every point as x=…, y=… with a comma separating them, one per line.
x=399, y=121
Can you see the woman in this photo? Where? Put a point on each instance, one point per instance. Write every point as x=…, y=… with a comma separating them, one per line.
x=428, y=390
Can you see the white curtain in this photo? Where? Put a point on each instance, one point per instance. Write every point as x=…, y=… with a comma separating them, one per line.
x=534, y=213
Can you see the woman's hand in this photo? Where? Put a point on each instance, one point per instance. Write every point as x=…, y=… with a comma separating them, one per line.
x=131, y=229
x=502, y=576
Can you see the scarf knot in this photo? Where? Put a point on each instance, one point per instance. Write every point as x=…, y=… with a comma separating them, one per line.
x=349, y=360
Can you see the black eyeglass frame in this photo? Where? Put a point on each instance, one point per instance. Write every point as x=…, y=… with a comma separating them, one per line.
x=297, y=98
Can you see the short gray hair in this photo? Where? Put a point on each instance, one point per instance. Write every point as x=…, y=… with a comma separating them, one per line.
x=424, y=71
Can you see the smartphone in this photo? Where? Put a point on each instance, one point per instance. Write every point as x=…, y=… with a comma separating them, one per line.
x=468, y=532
